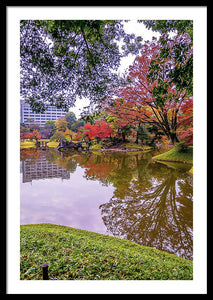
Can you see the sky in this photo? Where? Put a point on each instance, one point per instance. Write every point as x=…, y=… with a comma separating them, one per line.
x=130, y=27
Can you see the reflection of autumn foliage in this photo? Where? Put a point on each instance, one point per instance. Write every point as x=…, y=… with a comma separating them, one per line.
x=157, y=215
x=100, y=171
x=66, y=161
x=96, y=167
x=29, y=153
x=152, y=204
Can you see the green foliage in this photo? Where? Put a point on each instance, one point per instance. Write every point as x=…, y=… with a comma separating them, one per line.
x=143, y=134
x=76, y=125
x=50, y=125
x=182, y=74
x=57, y=136
x=165, y=26
x=56, y=53
x=71, y=119
x=79, y=254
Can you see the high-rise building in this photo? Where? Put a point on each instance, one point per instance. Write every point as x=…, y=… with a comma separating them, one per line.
x=51, y=113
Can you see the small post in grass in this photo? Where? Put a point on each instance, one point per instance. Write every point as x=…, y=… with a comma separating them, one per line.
x=45, y=271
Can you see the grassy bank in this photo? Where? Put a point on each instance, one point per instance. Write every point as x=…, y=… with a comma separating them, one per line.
x=79, y=254
x=176, y=155
x=27, y=144
x=31, y=144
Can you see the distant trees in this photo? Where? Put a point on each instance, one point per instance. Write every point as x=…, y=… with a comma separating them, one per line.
x=71, y=119
x=64, y=127
x=30, y=135
x=49, y=129
x=62, y=124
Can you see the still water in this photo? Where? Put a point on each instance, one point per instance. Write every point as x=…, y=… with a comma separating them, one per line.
x=120, y=194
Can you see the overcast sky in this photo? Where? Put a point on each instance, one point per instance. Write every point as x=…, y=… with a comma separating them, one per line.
x=138, y=29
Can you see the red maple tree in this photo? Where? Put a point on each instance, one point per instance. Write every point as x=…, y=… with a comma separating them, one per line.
x=35, y=135
x=100, y=129
x=185, y=124
x=146, y=100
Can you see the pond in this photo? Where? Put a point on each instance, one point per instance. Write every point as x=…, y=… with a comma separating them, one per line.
x=123, y=194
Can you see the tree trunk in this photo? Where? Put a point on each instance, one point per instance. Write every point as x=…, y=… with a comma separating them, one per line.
x=174, y=138
x=136, y=141
x=123, y=137
x=137, y=136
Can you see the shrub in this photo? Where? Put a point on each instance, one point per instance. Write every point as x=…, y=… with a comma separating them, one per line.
x=57, y=136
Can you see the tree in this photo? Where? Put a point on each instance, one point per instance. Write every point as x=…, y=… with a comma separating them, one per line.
x=25, y=135
x=57, y=136
x=45, y=133
x=151, y=99
x=35, y=135
x=92, y=118
x=61, y=124
x=75, y=126
x=182, y=72
x=185, y=125
x=65, y=59
x=50, y=125
x=30, y=125
x=99, y=130
x=68, y=134
x=70, y=118
x=102, y=129
x=143, y=134
x=122, y=116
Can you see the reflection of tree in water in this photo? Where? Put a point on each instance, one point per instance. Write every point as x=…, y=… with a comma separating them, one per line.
x=156, y=210
x=151, y=205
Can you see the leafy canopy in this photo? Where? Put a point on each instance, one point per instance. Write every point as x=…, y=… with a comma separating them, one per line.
x=181, y=51
x=100, y=129
x=65, y=59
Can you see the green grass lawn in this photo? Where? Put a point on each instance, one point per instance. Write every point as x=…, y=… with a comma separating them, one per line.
x=176, y=156
x=52, y=144
x=78, y=254
x=29, y=144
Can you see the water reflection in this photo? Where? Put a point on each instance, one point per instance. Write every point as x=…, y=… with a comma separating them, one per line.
x=155, y=212
x=150, y=203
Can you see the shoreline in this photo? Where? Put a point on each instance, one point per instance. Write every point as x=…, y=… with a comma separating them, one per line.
x=175, y=161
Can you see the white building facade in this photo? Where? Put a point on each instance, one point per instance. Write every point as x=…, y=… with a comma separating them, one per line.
x=51, y=113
